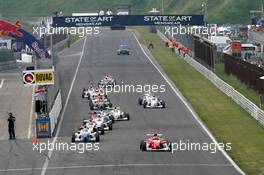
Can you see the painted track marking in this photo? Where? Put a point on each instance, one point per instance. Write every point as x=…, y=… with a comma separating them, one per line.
x=170, y=83
x=120, y=165
x=46, y=163
x=2, y=83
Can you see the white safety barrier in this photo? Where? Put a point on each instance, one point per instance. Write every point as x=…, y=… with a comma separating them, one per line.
x=55, y=112
x=241, y=100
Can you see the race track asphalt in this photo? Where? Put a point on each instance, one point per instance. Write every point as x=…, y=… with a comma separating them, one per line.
x=119, y=149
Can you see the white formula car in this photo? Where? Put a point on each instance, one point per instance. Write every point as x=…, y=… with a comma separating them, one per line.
x=86, y=133
x=107, y=81
x=153, y=102
x=92, y=91
x=103, y=123
x=87, y=92
x=117, y=114
x=107, y=114
x=141, y=100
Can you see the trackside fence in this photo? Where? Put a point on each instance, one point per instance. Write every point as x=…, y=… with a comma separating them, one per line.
x=241, y=100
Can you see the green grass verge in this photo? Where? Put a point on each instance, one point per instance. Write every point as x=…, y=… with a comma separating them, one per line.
x=227, y=121
x=72, y=39
x=241, y=87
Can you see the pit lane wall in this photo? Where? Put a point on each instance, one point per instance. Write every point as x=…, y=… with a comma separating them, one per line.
x=55, y=112
x=46, y=124
x=241, y=100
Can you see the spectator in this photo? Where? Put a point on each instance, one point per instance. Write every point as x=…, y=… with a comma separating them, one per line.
x=151, y=45
x=172, y=48
x=69, y=43
x=11, y=126
x=166, y=43
x=185, y=51
x=180, y=49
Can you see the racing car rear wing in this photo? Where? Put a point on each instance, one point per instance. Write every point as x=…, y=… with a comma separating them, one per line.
x=150, y=135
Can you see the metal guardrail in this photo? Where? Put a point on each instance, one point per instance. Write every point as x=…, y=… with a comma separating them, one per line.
x=55, y=112
x=241, y=100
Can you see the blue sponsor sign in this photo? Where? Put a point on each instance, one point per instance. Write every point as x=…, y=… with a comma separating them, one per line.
x=43, y=128
x=127, y=20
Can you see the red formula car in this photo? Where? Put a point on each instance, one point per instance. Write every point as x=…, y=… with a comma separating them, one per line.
x=155, y=142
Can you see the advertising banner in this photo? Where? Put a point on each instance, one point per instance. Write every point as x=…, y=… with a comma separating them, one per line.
x=127, y=20
x=43, y=127
x=38, y=77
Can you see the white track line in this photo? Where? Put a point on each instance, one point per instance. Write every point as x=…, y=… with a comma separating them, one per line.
x=46, y=163
x=121, y=165
x=2, y=83
x=189, y=108
x=32, y=111
x=72, y=55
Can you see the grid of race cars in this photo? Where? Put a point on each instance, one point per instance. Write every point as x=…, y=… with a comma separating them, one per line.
x=103, y=115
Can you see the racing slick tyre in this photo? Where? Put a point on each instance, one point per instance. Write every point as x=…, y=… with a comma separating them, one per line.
x=97, y=137
x=102, y=130
x=143, y=146
x=127, y=116
x=85, y=139
x=90, y=103
x=91, y=107
x=170, y=146
x=73, y=137
x=145, y=104
x=112, y=119
x=110, y=126
x=163, y=104
x=140, y=100
x=82, y=95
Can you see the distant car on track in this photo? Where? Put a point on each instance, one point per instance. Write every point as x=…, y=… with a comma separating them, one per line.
x=106, y=81
x=93, y=91
x=123, y=49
